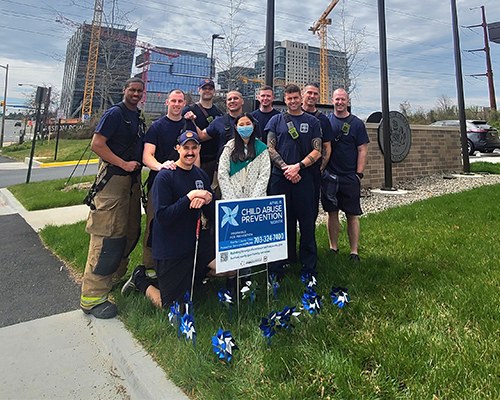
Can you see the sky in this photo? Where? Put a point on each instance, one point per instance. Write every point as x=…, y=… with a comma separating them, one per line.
x=419, y=41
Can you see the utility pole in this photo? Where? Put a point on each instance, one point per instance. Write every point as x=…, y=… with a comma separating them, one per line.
x=4, y=103
x=489, y=70
x=460, y=86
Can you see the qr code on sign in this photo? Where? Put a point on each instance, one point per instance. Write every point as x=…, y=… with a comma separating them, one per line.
x=223, y=257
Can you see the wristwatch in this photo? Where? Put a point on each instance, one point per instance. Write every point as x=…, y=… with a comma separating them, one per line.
x=302, y=165
x=360, y=175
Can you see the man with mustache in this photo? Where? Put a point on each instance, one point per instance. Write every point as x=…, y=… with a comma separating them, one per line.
x=159, y=153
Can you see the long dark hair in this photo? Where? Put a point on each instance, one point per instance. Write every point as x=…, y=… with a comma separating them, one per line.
x=238, y=153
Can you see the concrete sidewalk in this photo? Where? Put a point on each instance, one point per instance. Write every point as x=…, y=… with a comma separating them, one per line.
x=66, y=355
x=72, y=356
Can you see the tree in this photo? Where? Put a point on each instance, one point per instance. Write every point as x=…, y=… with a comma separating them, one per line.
x=414, y=116
x=349, y=39
x=236, y=48
x=445, y=109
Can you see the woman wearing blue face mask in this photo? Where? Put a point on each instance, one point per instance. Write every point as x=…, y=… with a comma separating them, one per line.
x=244, y=165
x=244, y=169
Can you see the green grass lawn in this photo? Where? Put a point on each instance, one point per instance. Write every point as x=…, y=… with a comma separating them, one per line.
x=29, y=195
x=423, y=321
x=482, y=166
x=48, y=194
x=68, y=150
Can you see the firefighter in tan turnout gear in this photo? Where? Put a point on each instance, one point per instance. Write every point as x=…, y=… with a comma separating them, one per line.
x=114, y=221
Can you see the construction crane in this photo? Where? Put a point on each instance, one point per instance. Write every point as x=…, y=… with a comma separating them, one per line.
x=88, y=95
x=320, y=28
x=92, y=62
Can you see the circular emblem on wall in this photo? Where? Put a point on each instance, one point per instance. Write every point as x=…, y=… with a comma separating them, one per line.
x=400, y=136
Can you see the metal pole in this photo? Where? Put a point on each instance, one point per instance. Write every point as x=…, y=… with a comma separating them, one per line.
x=39, y=97
x=489, y=70
x=57, y=138
x=45, y=118
x=460, y=87
x=212, y=58
x=269, y=79
x=4, y=103
x=384, y=83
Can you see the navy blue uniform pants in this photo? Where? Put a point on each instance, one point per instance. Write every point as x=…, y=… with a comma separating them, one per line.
x=301, y=206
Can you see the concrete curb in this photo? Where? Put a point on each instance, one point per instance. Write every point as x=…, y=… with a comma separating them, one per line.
x=9, y=203
x=143, y=376
x=60, y=164
x=40, y=164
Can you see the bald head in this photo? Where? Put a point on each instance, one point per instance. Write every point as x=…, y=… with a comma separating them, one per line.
x=340, y=101
x=342, y=92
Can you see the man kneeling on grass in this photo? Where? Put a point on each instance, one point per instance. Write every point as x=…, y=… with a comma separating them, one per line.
x=179, y=197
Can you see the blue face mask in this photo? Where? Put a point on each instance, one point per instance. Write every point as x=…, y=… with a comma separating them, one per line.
x=245, y=131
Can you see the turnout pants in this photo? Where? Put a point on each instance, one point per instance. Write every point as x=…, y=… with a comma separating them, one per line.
x=114, y=227
x=301, y=206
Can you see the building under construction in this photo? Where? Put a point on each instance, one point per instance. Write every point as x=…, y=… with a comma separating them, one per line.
x=294, y=62
x=114, y=66
x=299, y=63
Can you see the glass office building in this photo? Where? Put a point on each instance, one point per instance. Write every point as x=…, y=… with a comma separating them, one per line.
x=183, y=72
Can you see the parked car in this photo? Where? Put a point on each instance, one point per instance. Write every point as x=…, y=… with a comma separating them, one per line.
x=480, y=136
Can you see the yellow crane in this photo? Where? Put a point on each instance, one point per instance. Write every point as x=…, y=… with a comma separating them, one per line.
x=320, y=28
x=92, y=62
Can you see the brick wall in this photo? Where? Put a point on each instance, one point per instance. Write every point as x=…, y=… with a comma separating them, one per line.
x=434, y=149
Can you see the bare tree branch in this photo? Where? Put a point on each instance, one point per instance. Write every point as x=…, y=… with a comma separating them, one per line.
x=235, y=50
x=349, y=39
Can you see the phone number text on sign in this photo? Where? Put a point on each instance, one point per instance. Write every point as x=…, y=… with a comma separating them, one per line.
x=268, y=238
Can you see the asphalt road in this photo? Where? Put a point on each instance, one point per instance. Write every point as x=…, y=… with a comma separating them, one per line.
x=34, y=283
x=12, y=174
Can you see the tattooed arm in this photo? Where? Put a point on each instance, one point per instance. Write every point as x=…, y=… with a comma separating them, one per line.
x=326, y=152
x=292, y=171
x=275, y=157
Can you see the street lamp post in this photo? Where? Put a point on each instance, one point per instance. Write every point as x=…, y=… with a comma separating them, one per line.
x=214, y=36
x=6, y=67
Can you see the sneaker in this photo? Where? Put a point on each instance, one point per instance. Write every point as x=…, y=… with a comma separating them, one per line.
x=334, y=251
x=354, y=258
x=102, y=311
x=130, y=286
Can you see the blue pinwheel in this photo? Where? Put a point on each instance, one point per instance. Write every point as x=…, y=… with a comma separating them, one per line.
x=339, y=296
x=249, y=289
x=267, y=326
x=226, y=299
x=274, y=284
x=311, y=301
x=174, y=315
x=187, y=328
x=284, y=318
x=229, y=216
x=309, y=280
x=223, y=345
